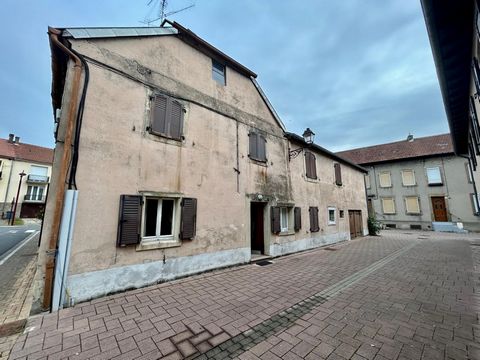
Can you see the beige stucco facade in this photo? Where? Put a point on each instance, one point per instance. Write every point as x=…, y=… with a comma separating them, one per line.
x=211, y=163
x=456, y=189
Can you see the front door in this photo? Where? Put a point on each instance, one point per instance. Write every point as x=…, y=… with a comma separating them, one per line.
x=256, y=221
x=355, y=221
x=439, y=208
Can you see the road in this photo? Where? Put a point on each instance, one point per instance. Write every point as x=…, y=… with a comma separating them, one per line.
x=13, y=235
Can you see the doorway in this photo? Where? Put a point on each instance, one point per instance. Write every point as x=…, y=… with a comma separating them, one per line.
x=439, y=208
x=257, y=227
x=355, y=220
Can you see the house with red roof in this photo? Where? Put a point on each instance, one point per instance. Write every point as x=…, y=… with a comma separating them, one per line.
x=419, y=183
x=35, y=162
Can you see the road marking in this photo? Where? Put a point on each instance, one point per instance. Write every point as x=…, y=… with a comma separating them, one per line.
x=29, y=231
x=24, y=241
x=12, y=231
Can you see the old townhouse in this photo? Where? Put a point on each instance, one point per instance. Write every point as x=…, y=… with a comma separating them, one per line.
x=179, y=164
x=24, y=169
x=454, y=33
x=419, y=184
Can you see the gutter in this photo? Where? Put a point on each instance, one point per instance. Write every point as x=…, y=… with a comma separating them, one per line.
x=64, y=164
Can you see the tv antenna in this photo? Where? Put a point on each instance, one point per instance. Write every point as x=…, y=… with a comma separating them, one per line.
x=161, y=12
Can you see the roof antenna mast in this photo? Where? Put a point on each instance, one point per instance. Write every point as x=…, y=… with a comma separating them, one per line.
x=161, y=13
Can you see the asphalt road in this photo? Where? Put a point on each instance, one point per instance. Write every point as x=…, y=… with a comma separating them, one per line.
x=10, y=236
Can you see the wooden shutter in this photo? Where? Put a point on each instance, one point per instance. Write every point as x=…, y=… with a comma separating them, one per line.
x=159, y=115
x=130, y=215
x=275, y=219
x=297, y=214
x=310, y=165
x=476, y=74
x=189, y=219
x=314, y=219
x=338, y=174
x=261, y=148
x=175, y=119
x=252, y=148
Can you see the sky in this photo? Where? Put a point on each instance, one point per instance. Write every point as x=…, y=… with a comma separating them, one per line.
x=357, y=72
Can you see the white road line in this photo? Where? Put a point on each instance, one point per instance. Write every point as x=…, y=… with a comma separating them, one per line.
x=13, y=231
x=29, y=231
x=24, y=241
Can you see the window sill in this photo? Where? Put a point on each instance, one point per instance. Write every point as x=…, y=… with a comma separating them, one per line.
x=413, y=214
x=436, y=184
x=286, y=233
x=409, y=186
x=258, y=162
x=315, y=181
x=165, y=139
x=152, y=245
x=332, y=223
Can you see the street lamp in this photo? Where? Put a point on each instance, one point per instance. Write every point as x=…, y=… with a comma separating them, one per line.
x=308, y=137
x=22, y=174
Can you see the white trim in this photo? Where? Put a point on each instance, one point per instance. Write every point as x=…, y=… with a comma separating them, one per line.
x=413, y=177
x=330, y=222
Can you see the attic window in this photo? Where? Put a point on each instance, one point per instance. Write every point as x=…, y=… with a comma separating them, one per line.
x=218, y=72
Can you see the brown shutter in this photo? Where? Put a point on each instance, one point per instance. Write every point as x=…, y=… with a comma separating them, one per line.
x=314, y=219
x=338, y=174
x=175, y=120
x=275, y=219
x=310, y=165
x=189, y=219
x=297, y=214
x=130, y=215
x=159, y=115
x=261, y=148
x=252, y=141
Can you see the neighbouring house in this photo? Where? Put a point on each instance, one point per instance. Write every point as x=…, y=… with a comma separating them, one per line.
x=454, y=32
x=35, y=162
x=179, y=165
x=415, y=182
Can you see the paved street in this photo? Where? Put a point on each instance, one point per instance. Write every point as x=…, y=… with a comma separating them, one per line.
x=13, y=235
x=403, y=295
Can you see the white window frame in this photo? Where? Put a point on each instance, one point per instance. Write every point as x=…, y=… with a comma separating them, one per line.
x=284, y=214
x=413, y=175
x=334, y=209
x=157, y=237
x=418, y=203
x=34, y=193
x=380, y=179
x=44, y=170
x=439, y=174
x=394, y=206
x=469, y=172
x=475, y=204
x=367, y=181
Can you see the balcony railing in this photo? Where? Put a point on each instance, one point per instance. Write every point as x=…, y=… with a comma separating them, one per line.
x=37, y=178
x=34, y=198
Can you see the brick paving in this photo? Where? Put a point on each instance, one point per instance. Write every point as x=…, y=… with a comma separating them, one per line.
x=403, y=295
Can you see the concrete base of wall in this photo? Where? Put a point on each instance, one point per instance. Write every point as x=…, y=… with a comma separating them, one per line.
x=308, y=243
x=86, y=286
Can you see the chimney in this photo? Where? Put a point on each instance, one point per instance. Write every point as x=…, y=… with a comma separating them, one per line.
x=10, y=138
x=17, y=139
x=410, y=138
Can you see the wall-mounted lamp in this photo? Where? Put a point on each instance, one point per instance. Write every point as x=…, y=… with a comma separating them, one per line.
x=308, y=137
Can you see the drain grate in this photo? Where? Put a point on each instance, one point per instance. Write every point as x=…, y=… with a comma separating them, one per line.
x=330, y=248
x=263, y=263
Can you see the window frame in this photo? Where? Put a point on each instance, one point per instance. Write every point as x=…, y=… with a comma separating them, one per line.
x=383, y=205
x=418, y=204
x=310, y=155
x=429, y=183
x=334, y=210
x=475, y=204
x=284, y=210
x=413, y=176
x=157, y=237
x=263, y=142
x=389, y=178
x=222, y=74
x=35, y=192
x=168, y=117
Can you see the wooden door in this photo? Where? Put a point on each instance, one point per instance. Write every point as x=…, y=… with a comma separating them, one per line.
x=439, y=208
x=355, y=221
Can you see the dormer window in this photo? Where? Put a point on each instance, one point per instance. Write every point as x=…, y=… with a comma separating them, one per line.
x=218, y=72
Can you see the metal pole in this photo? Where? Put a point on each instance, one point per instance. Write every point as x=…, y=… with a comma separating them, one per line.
x=22, y=174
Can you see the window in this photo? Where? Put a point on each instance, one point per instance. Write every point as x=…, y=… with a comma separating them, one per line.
x=159, y=216
x=218, y=72
x=332, y=216
x=388, y=205
x=257, y=147
x=283, y=219
x=342, y=214
x=166, y=117
x=469, y=172
x=313, y=212
x=367, y=181
x=476, y=74
x=475, y=126
x=475, y=204
x=338, y=174
x=433, y=175
x=310, y=165
x=385, y=179
x=408, y=177
x=38, y=174
x=34, y=193
x=412, y=205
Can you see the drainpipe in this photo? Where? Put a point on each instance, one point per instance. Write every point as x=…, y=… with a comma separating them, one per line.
x=64, y=164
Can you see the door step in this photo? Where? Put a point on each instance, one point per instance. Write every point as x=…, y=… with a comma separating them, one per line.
x=448, y=227
x=259, y=257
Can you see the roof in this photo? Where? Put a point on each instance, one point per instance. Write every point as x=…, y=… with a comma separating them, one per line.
x=167, y=28
x=450, y=29
x=401, y=150
x=336, y=157
x=26, y=152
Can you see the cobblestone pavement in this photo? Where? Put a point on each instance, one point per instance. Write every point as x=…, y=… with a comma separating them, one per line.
x=16, y=276
x=403, y=295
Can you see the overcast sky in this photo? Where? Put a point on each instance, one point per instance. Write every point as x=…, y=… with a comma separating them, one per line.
x=357, y=72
